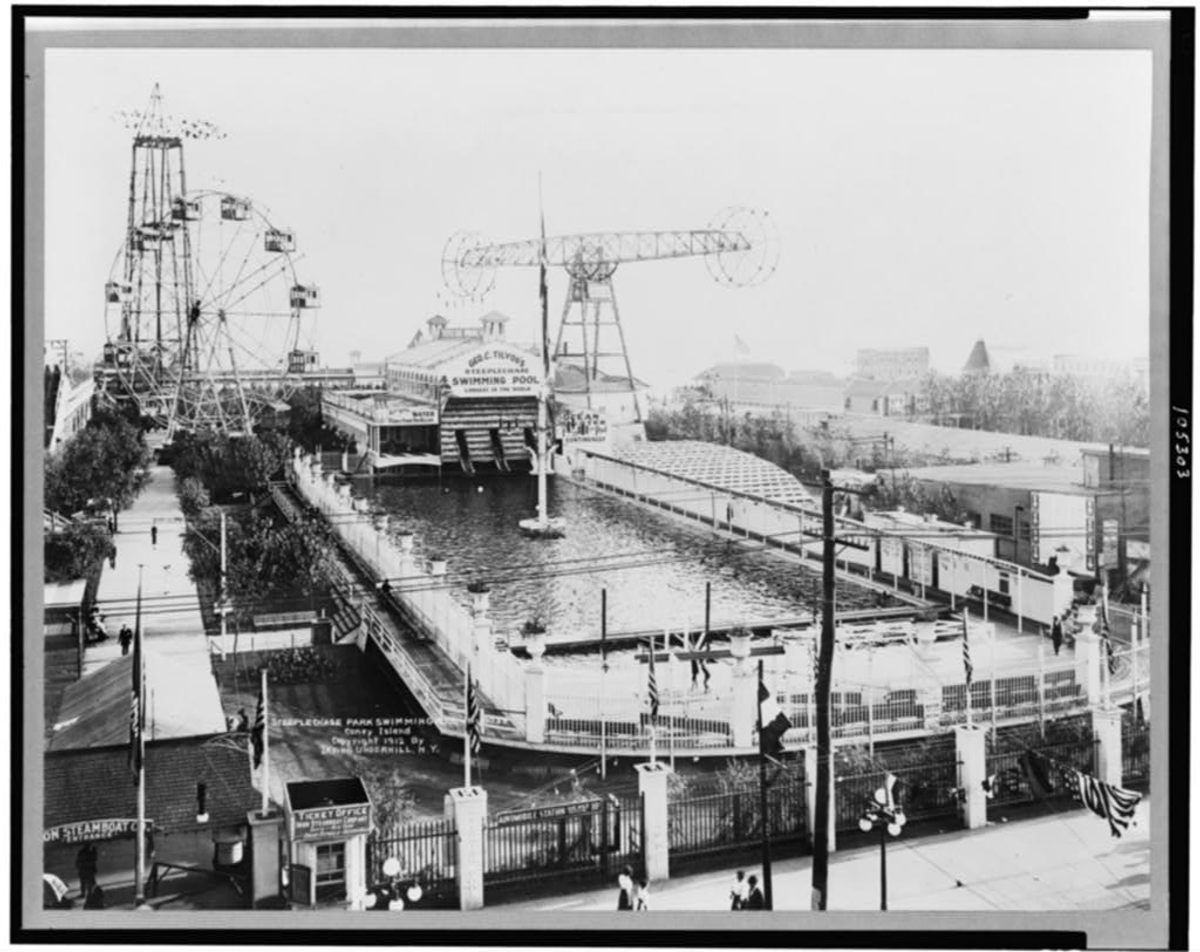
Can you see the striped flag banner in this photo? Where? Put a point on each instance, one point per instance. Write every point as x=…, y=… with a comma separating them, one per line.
x=258, y=732
x=474, y=715
x=967, y=666
x=137, y=720
x=653, y=684
x=1115, y=804
x=774, y=723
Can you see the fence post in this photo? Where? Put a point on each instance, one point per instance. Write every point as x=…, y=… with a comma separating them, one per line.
x=535, y=691
x=744, y=711
x=810, y=798
x=971, y=752
x=1106, y=728
x=1087, y=650
x=652, y=785
x=265, y=833
x=468, y=807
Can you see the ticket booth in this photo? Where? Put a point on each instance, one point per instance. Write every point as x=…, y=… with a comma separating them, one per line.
x=328, y=822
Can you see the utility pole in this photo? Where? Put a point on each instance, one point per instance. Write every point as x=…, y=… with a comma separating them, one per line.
x=768, y=892
x=820, y=866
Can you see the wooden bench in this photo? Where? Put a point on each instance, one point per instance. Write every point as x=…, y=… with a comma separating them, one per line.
x=283, y=620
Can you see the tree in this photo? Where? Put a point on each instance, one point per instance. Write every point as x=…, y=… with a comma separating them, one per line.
x=76, y=551
x=105, y=460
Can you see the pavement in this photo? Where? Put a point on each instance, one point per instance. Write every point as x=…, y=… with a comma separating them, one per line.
x=171, y=621
x=1064, y=861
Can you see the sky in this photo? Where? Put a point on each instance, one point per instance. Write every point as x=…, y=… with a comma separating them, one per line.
x=922, y=198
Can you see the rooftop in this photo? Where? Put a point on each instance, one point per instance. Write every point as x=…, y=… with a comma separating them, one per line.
x=720, y=467
x=1040, y=477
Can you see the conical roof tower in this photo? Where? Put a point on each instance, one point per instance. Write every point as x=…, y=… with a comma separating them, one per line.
x=978, y=362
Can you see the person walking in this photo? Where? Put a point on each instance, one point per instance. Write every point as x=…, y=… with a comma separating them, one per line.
x=86, y=863
x=154, y=535
x=1056, y=633
x=755, y=899
x=739, y=892
x=625, y=885
x=125, y=638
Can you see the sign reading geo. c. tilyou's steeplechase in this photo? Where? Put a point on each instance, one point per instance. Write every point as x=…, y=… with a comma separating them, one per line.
x=498, y=371
x=87, y=830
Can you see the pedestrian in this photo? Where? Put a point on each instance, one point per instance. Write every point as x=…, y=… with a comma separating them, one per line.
x=625, y=885
x=643, y=894
x=100, y=628
x=95, y=899
x=86, y=862
x=755, y=899
x=739, y=892
x=1056, y=633
x=154, y=535
x=112, y=556
x=125, y=637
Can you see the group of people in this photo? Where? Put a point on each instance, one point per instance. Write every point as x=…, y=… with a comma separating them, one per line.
x=633, y=894
x=745, y=893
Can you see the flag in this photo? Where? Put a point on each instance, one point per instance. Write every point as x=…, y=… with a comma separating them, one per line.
x=653, y=683
x=967, y=666
x=1033, y=768
x=1113, y=803
x=739, y=346
x=773, y=722
x=474, y=715
x=1102, y=627
x=137, y=720
x=543, y=292
x=259, y=731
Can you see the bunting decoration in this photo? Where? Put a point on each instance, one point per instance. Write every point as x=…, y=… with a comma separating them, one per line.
x=967, y=666
x=1114, y=804
x=137, y=721
x=653, y=686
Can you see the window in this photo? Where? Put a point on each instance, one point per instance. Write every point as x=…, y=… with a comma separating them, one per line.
x=1023, y=529
x=331, y=871
x=1001, y=525
x=1003, y=584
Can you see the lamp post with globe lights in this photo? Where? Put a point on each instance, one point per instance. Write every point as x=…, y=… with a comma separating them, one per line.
x=882, y=811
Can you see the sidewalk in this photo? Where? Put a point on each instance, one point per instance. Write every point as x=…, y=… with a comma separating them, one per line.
x=1065, y=861
x=171, y=622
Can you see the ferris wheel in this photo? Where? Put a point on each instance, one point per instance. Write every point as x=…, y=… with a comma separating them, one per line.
x=207, y=323
x=207, y=320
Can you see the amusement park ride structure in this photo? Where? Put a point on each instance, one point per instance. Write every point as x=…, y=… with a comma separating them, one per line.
x=740, y=247
x=205, y=317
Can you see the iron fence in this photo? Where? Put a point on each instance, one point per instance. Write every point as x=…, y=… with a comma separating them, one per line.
x=427, y=853
x=1135, y=755
x=589, y=839
x=729, y=821
x=925, y=791
x=1020, y=779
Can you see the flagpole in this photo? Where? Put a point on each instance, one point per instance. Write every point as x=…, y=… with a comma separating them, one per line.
x=967, y=661
x=266, y=745
x=653, y=712
x=603, y=672
x=467, y=729
x=139, y=886
x=1106, y=669
x=762, y=795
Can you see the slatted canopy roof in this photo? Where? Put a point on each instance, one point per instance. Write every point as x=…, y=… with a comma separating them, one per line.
x=720, y=467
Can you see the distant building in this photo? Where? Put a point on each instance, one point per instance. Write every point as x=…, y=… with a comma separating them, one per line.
x=883, y=397
x=1100, y=370
x=978, y=362
x=891, y=364
x=765, y=386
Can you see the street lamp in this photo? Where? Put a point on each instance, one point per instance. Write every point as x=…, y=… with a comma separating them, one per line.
x=882, y=811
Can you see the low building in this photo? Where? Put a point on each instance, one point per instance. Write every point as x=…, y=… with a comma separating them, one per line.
x=883, y=397
x=1066, y=513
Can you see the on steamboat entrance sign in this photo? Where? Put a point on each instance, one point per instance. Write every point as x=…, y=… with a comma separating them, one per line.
x=87, y=830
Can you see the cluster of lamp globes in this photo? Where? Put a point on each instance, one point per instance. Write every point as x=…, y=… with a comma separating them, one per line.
x=391, y=869
x=882, y=806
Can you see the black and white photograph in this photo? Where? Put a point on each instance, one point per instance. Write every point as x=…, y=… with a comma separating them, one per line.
x=502, y=472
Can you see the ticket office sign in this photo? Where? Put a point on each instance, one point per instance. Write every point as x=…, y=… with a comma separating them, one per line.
x=331, y=823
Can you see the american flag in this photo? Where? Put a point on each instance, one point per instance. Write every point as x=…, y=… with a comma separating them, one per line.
x=1106, y=633
x=258, y=732
x=967, y=666
x=1115, y=804
x=474, y=715
x=137, y=720
x=653, y=684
